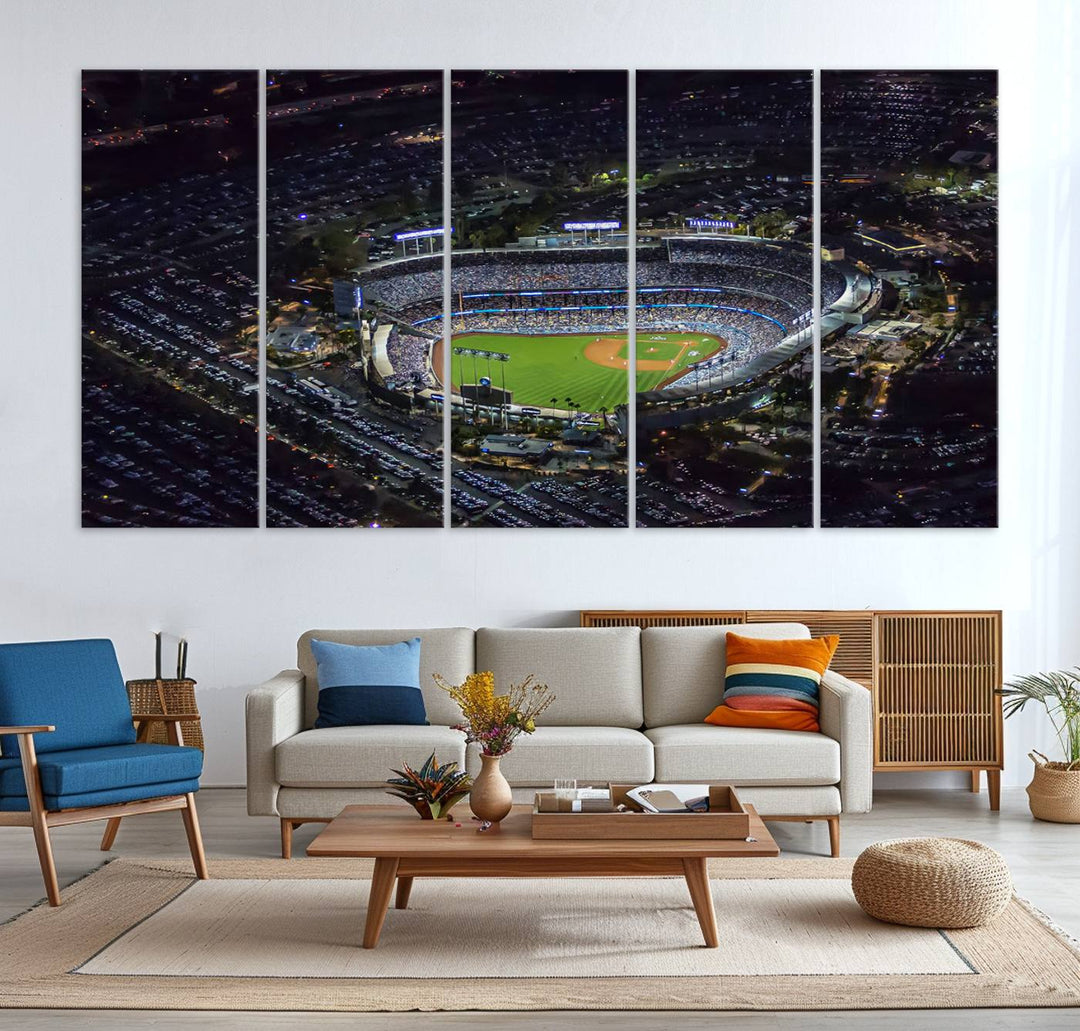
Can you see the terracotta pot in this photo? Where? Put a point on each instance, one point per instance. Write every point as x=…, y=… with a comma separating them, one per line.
x=1054, y=791
x=490, y=798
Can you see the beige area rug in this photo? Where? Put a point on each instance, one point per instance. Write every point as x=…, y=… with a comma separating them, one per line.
x=267, y=934
x=633, y=927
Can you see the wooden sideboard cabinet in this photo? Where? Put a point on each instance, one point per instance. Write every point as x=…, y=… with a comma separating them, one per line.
x=934, y=675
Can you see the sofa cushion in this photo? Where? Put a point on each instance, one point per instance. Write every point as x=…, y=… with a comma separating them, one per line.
x=448, y=651
x=364, y=684
x=773, y=683
x=743, y=755
x=594, y=673
x=74, y=685
x=683, y=667
x=817, y=800
x=586, y=754
x=81, y=771
x=362, y=757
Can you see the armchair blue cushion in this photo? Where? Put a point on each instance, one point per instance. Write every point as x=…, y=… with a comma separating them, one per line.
x=74, y=685
x=79, y=777
x=21, y=804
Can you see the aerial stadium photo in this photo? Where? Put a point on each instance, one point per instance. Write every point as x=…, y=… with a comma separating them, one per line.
x=909, y=386
x=539, y=365
x=170, y=298
x=354, y=186
x=545, y=368
x=723, y=249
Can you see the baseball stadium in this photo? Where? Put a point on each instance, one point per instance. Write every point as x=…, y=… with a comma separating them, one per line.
x=543, y=332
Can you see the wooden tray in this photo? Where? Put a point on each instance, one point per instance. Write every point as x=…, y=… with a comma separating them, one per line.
x=726, y=819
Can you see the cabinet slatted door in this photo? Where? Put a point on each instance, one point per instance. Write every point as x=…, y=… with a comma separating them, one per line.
x=643, y=618
x=935, y=699
x=854, y=656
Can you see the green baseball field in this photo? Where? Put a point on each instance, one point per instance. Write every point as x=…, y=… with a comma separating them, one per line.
x=590, y=370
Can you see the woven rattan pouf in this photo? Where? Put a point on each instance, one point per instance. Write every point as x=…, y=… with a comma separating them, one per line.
x=932, y=882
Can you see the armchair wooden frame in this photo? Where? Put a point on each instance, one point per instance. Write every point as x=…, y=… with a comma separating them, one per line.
x=41, y=819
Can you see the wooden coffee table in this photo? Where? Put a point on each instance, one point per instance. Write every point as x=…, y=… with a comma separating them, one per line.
x=404, y=846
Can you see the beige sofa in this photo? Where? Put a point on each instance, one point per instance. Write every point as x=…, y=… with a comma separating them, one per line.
x=629, y=707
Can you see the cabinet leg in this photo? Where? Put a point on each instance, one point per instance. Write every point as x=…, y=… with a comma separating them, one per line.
x=993, y=787
x=975, y=781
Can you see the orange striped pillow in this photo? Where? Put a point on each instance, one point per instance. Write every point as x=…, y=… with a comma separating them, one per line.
x=773, y=684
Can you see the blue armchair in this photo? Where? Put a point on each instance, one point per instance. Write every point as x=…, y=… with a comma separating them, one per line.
x=68, y=749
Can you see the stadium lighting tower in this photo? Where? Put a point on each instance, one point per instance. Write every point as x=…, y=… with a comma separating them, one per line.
x=502, y=359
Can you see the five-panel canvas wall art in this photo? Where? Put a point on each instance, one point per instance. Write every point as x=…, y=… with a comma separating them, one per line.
x=644, y=284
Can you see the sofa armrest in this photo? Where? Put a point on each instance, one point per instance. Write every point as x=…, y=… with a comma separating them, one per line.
x=274, y=711
x=846, y=716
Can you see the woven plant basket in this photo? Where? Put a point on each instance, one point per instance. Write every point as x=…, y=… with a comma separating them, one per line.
x=932, y=882
x=166, y=698
x=1054, y=791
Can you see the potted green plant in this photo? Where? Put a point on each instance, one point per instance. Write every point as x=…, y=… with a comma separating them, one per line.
x=1054, y=792
x=432, y=790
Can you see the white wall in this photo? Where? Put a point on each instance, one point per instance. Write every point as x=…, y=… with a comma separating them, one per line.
x=243, y=596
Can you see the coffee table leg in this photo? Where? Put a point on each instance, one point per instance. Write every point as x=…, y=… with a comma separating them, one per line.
x=697, y=880
x=404, y=887
x=382, y=885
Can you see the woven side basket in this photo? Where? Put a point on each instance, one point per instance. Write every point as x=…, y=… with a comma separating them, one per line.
x=166, y=698
x=1054, y=791
x=932, y=882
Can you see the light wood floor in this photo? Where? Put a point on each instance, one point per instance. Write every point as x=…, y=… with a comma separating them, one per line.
x=1044, y=857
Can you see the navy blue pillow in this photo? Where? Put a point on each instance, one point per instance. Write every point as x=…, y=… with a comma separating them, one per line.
x=360, y=685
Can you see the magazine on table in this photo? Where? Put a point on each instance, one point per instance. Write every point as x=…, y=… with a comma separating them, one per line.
x=671, y=798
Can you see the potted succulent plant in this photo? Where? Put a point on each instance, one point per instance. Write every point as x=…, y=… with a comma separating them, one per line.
x=1054, y=792
x=432, y=790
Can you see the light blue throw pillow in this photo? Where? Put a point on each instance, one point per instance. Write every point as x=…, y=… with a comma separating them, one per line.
x=361, y=685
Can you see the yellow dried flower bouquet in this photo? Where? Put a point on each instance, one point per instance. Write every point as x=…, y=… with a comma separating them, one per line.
x=493, y=720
